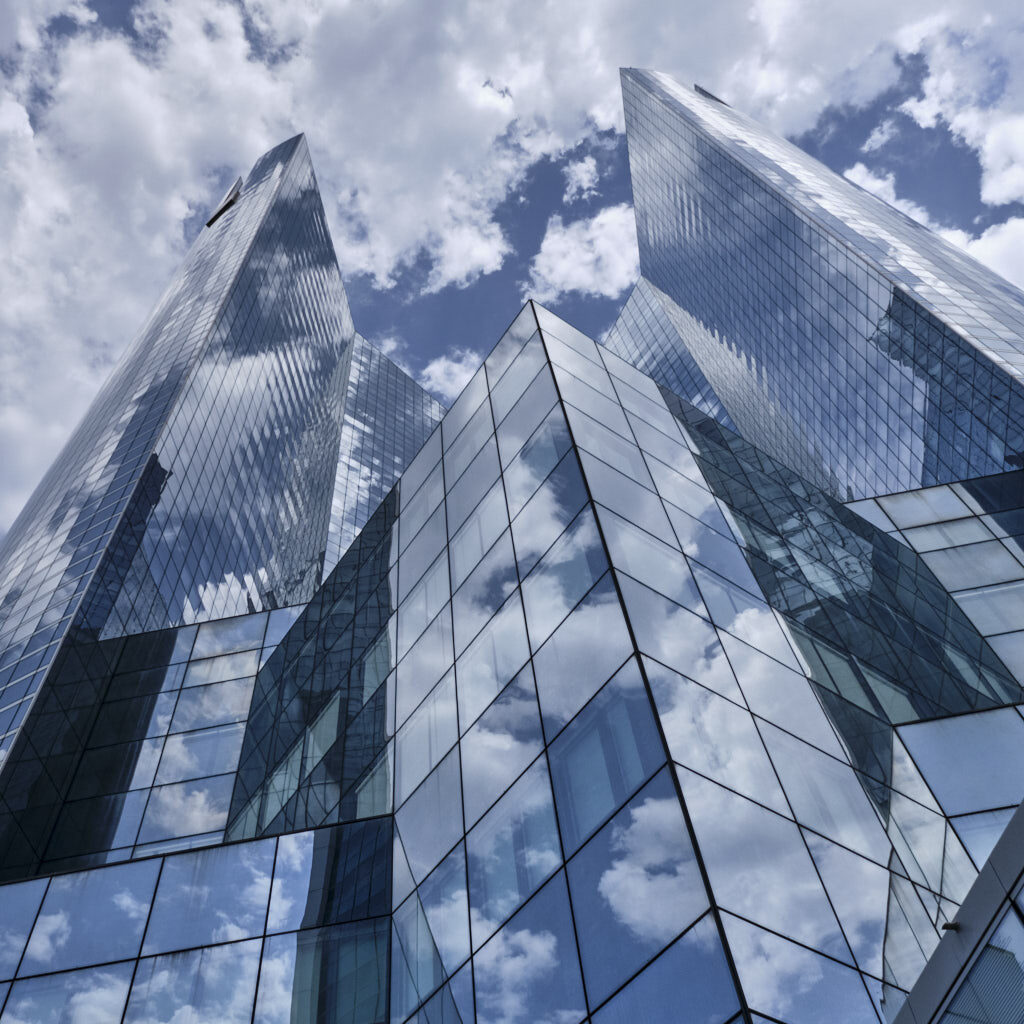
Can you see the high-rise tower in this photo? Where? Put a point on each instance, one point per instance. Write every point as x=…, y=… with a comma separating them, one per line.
x=613, y=704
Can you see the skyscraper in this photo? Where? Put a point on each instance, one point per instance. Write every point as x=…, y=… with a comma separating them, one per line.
x=661, y=685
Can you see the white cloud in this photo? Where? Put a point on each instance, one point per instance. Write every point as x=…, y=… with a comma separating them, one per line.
x=884, y=186
x=596, y=256
x=1000, y=246
x=421, y=119
x=880, y=135
x=448, y=374
x=581, y=177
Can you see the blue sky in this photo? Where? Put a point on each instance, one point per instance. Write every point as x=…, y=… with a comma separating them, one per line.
x=468, y=155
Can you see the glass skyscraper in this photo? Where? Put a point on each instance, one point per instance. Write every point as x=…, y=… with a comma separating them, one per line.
x=675, y=679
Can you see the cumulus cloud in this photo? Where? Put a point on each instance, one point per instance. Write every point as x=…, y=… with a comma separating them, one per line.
x=448, y=374
x=581, y=178
x=421, y=121
x=1000, y=246
x=595, y=257
x=880, y=135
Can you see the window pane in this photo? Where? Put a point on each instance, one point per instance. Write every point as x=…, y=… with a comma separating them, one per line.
x=425, y=738
x=539, y=456
x=195, y=755
x=695, y=965
x=603, y=756
x=511, y=851
x=213, y=984
x=502, y=742
x=581, y=655
x=215, y=704
x=714, y=737
x=211, y=895
x=484, y=592
x=94, y=995
x=430, y=821
x=491, y=660
x=65, y=933
x=548, y=512
x=567, y=571
x=18, y=906
x=635, y=886
x=539, y=941
x=331, y=875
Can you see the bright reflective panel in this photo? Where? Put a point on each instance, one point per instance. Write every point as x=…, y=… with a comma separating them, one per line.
x=635, y=886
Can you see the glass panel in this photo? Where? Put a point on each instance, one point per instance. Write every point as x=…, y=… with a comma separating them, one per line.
x=216, y=670
x=593, y=403
x=504, y=740
x=997, y=609
x=603, y=756
x=464, y=407
x=81, y=996
x=18, y=906
x=198, y=754
x=714, y=737
x=988, y=767
x=491, y=660
x=460, y=452
x=213, y=984
x=430, y=821
x=334, y=975
x=657, y=565
x=625, y=497
x=65, y=933
x=465, y=494
x=483, y=593
x=751, y=620
x=678, y=638
x=859, y=891
x=215, y=704
x=781, y=696
x=526, y=415
x=428, y=660
x=539, y=456
x=548, y=512
x=617, y=451
x=980, y=832
x=570, y=568
x=511, y=851
x=634, y=887
x=420, y=554
x=444, y=902
x=759, y=866
x=696, y=966
x=416, y=513
x=515, y=380
x=420, y=467
x=422, y=605
x=792, y=983
x=530, y=971
x=425, y=738
x=229, y=635
x=581, y=655
x=477, y=534
x=211, y=896
x=331, y=875
x=826, y=795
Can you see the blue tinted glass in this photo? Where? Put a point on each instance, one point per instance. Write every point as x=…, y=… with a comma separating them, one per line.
x=18, y=907
x=210, y=896
x=634, y=887
x=217, y=984
x=512, y=849
x=97, y=994
x=66, y=934
x=603, y=756
x=692, y=972
x=546, y=981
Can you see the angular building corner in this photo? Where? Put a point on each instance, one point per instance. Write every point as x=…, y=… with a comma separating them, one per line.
x=662, y=683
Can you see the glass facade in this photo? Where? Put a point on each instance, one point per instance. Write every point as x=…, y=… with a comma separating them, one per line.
x=387, y=417
x=614, y=703
x=910, y=353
